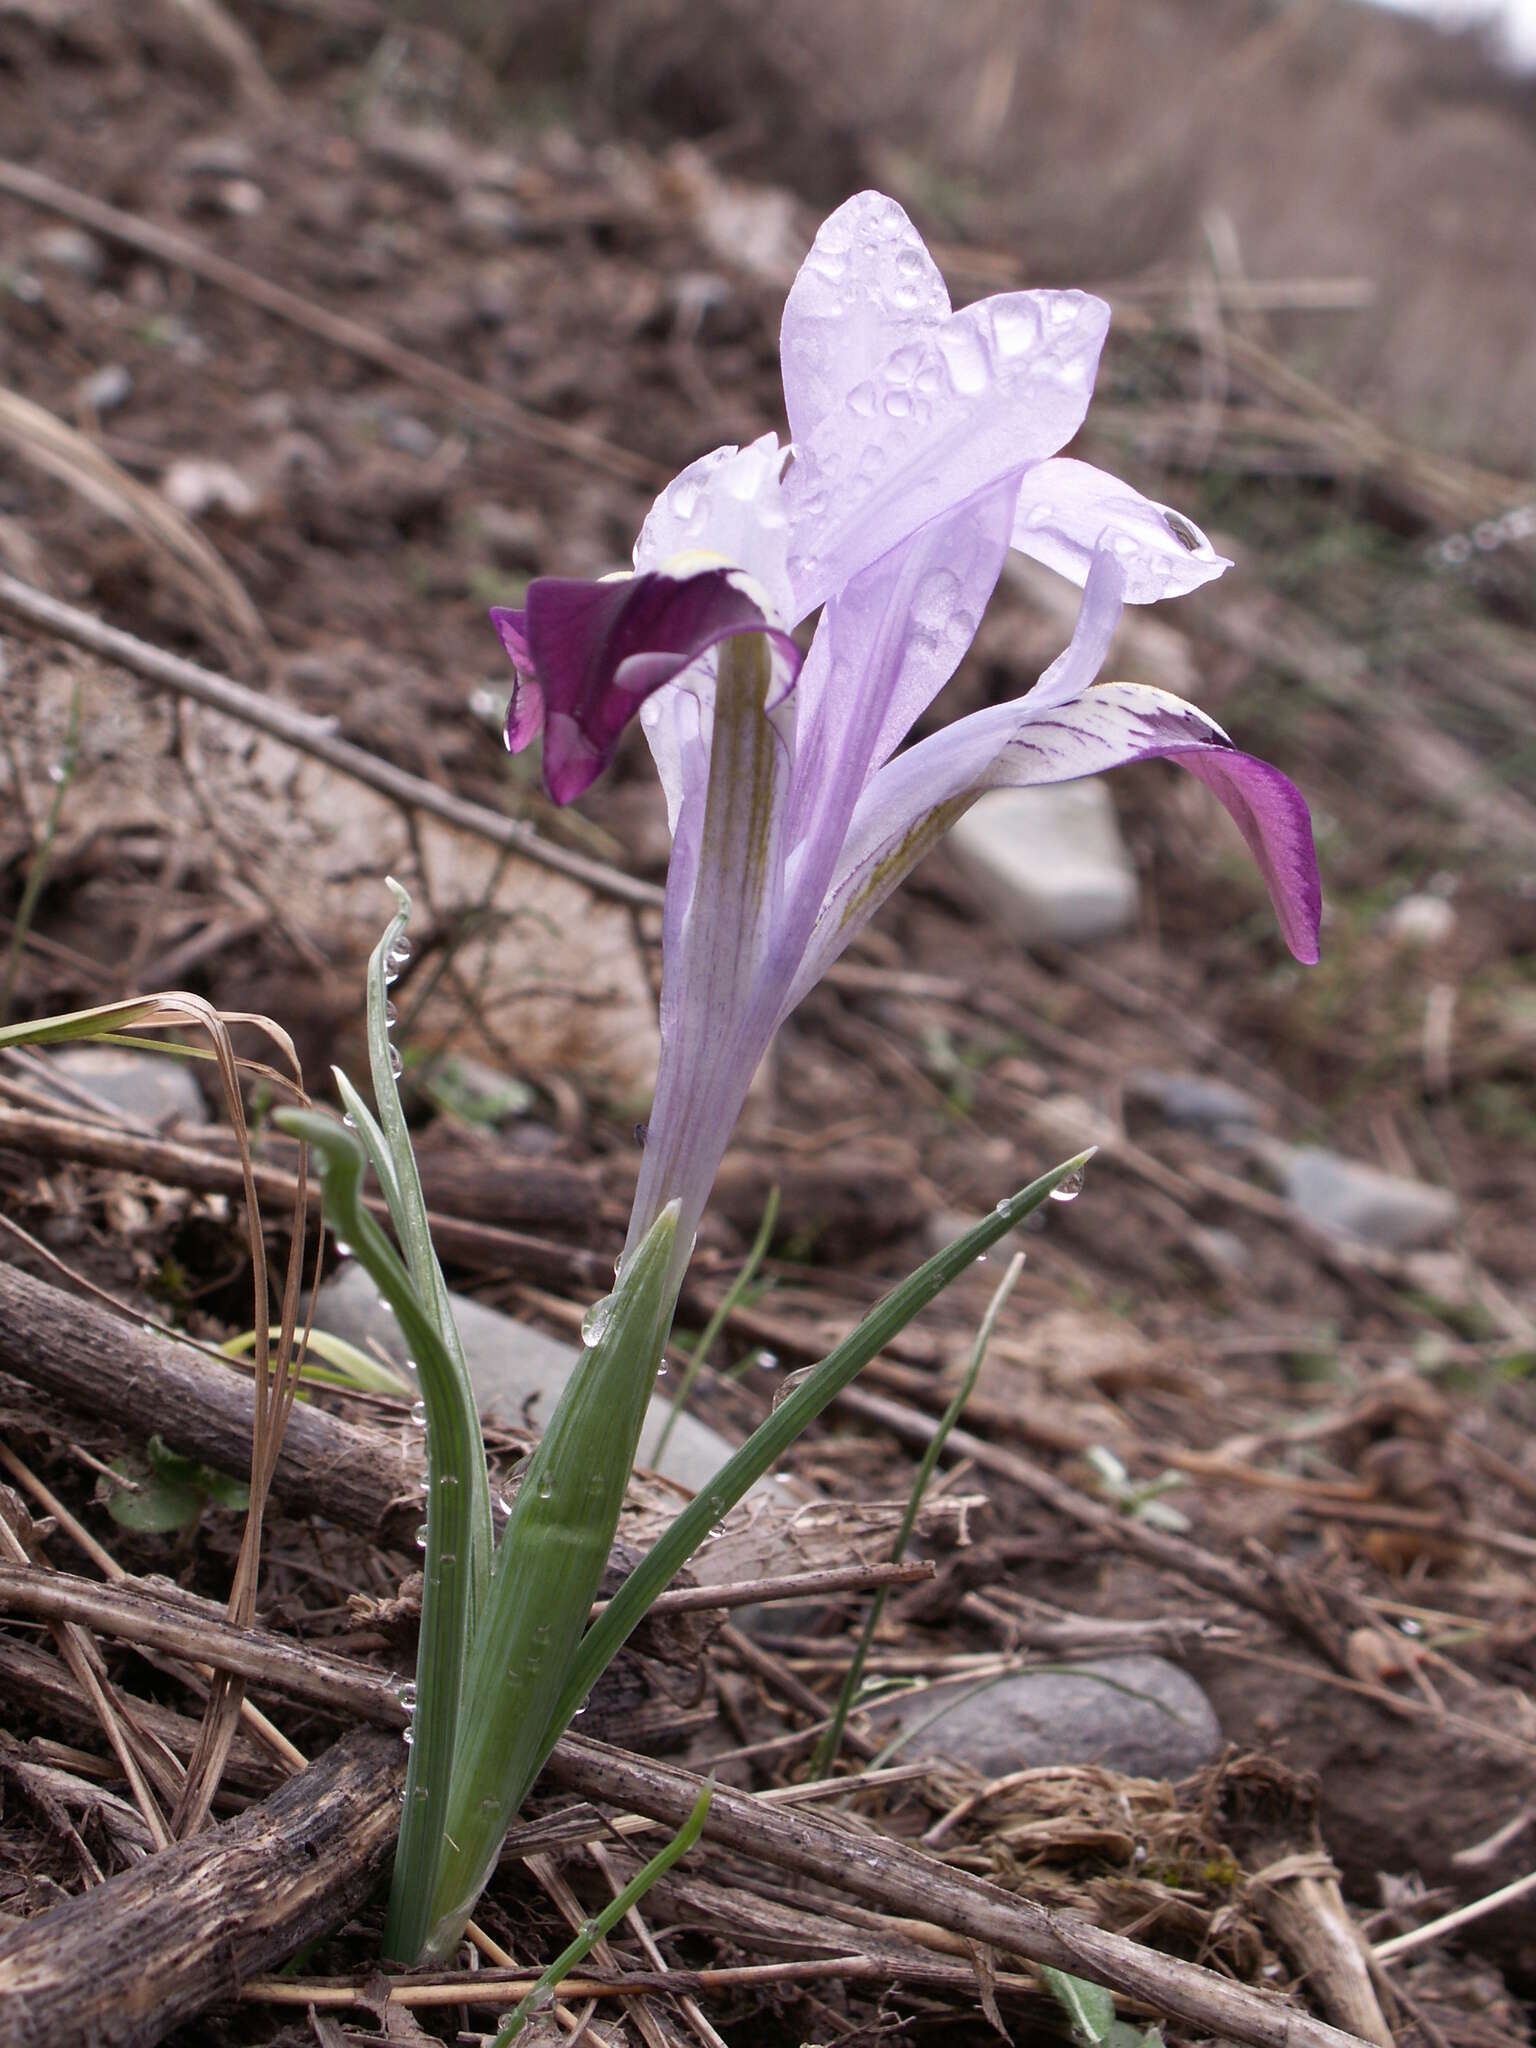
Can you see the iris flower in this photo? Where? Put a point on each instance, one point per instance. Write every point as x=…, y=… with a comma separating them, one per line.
x=923, y=446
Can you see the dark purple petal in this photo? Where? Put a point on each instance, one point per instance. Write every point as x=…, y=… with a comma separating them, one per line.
x=525, y=710
x=587, y=655
x=1272, y=815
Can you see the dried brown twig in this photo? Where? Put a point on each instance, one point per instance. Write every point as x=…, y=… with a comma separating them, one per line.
x=309, y=735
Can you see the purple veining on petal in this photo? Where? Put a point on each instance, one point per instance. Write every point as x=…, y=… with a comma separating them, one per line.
x=1272, y=815
x=589, y=654
x=1069, y=512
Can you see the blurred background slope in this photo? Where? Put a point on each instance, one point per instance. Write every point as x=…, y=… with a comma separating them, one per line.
x=1110, y=138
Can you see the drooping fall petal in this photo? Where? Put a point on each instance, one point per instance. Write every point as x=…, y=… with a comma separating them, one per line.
x=587, y=655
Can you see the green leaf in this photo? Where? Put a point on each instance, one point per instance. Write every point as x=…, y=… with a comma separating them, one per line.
x=157, y=1506
x=549, y=1565
x=768, y=1443
x=1089, y=2008
x=594, y=1931
x=223, y=1491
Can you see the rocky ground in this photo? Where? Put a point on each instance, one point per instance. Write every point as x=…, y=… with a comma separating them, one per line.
x=1235, y=1557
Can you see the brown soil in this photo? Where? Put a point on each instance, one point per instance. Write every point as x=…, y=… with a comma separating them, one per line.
x=592, y=213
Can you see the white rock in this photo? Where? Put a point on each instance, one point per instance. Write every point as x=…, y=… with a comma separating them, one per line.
x=1420, y=920
x=69, y=249
x=195, y=487
x=518, y=1371
x=1050, y=863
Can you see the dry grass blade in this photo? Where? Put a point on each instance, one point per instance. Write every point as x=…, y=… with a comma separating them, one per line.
x=275, y=1381
x=44, y=440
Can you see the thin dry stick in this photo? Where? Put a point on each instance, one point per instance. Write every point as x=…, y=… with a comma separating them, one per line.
x=1432, y=1930
x=182, y=253
x=136, y=1613
x=495, y=1989
x=485, y=1245
x=78, y=1651
x=897, y=1878
x=312, y=736
x=111, y=1570
x=689, y=2006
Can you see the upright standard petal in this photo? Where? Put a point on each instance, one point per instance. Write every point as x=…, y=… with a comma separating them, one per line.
x=587, y=655
x=1068, y=512
x=867, y=287
x=884, y=649
x=728, y=503
x=999, y=386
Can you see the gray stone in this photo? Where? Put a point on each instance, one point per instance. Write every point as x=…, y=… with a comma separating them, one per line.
x=1197, y=1101
x=410, y=435
x=1138, y=1715
x=518, y=1371
x=1050, y=863
x=513, y=537
x=486, y=220
x=1383, y=1209
x=104, y=390
x=150, y=1088
x=69, y=249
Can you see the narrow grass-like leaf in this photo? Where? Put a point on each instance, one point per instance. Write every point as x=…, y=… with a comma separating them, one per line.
x=98, y=1022
x=595, y=1930
x=772, y=1438
x=549, y=1564
x=831, y=1741
x=1089, y=2008
x=718, y=1321
x=455, y=1453
x=345, y=1366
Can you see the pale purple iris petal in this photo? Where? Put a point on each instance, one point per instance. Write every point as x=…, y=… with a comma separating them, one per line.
x=719, y=997
x=997, y=387
x=1100, y=612
x=595, y=651
x=883, y=650
x=1068, y=511
x=918, y=796
x=867, y=287
x=728, y=503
